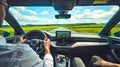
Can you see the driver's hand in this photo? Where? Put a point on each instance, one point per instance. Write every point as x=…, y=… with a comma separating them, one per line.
x=104, y=63
x=47, y=45
x=21, y=40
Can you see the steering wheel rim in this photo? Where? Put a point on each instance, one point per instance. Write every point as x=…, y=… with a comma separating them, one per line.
x=30, y=36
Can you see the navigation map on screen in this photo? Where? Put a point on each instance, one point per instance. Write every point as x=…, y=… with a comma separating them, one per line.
x=63, y=34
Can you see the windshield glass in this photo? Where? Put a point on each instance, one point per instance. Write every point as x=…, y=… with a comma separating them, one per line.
x=84, y=19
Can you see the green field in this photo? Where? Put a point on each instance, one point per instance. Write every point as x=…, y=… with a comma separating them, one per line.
x=82, y=28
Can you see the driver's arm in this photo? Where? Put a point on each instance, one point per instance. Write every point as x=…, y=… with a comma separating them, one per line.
x=31, y=59
x=48, y=60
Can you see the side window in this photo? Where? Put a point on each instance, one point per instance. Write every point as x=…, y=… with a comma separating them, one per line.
x=116, y=30
x=6, y=30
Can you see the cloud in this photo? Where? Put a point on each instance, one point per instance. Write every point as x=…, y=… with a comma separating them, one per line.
x=75, y=10
x=31, y=11
x=93, y=16
x=44, y=12
x=26, y=19
x=23, y=9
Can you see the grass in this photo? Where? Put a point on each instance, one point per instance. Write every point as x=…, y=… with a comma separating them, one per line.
x=86, y=28
x=93, y=28
x=44, y=28
x=9, y=29
x=115, y=29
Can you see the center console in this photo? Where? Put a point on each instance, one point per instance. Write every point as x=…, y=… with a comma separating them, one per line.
x=63, y=61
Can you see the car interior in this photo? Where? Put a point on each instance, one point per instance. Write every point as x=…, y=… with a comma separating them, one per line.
x=66, y=45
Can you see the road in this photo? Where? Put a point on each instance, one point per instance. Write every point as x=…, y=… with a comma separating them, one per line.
x=73, y=33
x=62, y=29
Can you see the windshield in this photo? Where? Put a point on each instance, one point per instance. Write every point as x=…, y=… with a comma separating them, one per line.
x=84, y=19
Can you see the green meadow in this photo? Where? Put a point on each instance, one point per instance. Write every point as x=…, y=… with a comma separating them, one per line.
x=82, y=28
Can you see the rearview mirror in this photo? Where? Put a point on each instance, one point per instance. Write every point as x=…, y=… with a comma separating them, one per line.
x=4, y=33
x=62, y=16
x=117, y=34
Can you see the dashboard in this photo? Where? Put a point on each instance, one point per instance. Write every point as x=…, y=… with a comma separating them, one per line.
x=68, y=42
x=68, y=39
x=65, y=38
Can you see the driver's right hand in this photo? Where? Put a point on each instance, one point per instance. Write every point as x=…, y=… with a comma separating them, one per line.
x=47, y=45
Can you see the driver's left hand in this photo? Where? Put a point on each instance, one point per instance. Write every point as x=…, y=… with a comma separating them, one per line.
x=21, y=40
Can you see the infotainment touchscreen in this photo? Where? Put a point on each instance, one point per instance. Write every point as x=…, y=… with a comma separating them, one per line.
x=63, y=34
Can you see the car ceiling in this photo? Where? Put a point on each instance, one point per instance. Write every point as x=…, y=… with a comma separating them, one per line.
x=62, y=4
x=51, y=2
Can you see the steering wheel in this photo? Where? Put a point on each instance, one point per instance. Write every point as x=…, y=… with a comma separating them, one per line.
x=114, y=50
x=35, y=39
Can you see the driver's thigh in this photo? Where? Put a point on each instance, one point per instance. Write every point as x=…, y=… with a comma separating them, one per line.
x=77, y=62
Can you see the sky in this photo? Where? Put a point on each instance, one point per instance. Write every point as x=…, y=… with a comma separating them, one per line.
x=45, y=15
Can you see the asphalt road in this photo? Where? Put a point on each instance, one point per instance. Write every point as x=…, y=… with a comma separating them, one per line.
x=73, y=33
x=62, y=29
